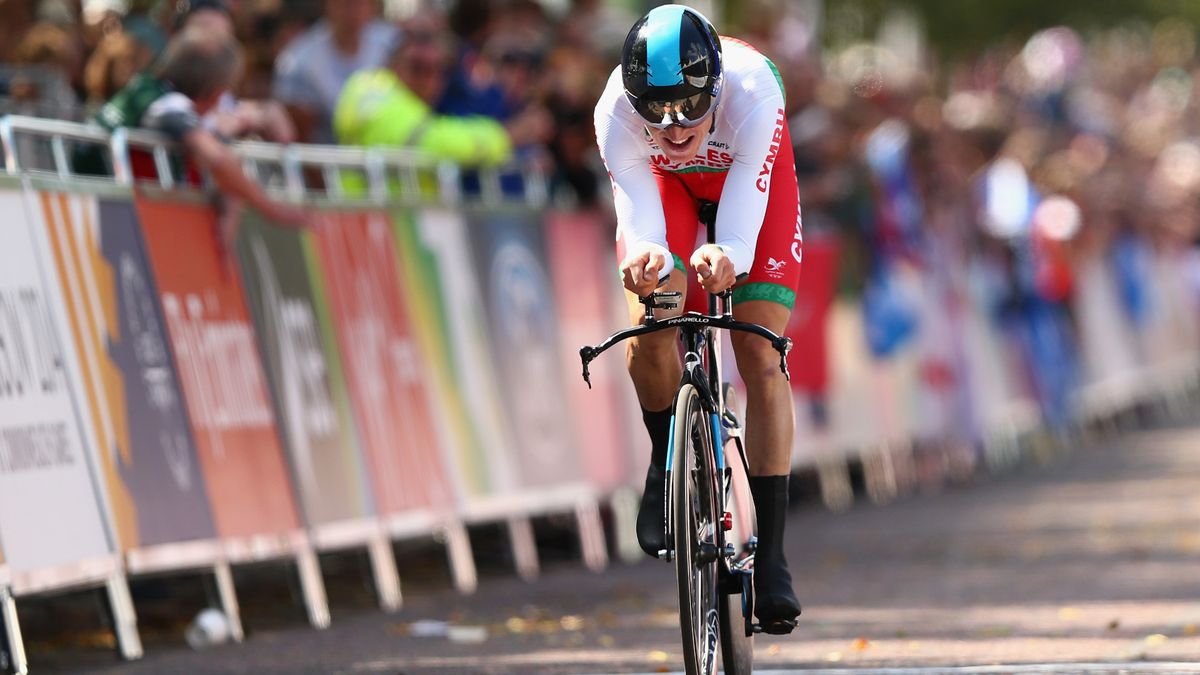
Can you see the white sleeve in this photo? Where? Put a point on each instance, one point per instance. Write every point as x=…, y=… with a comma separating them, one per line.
x=635, y=192
x=748, y=185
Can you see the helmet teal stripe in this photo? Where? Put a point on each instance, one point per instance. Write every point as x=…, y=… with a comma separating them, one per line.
x=663, y=67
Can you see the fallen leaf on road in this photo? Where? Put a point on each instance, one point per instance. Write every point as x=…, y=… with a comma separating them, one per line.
x=773, y=650
x=1069, y=613
x=516, y=625
x=862, y=644
x=658, y=656
x=571, y=622
x=833, y=656
x=1156, y=639
x=1114, y=624
x=1189, y=629
x=607, y=641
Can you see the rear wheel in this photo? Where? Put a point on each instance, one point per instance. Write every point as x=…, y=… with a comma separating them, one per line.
x=694, y=525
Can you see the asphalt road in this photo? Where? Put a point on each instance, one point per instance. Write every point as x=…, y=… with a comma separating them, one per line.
x=1088, y=564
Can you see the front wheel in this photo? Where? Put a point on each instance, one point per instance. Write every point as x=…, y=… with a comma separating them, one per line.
x=694, y=525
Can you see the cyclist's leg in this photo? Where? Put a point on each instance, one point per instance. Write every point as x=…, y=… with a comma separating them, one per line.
x=653, y=362
x=766, y=298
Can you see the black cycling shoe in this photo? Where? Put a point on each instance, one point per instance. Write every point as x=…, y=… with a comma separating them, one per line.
x=775, y=602
x=652, y=512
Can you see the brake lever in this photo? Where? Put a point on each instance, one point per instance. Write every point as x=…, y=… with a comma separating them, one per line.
x=783, y=345
x=586, y=354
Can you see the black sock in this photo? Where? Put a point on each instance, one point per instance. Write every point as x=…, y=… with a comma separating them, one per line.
x=658, y=423
x=770, y=506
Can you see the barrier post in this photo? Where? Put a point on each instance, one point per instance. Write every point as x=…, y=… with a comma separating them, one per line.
x=524, y=547
x=124, y=617
x=227, y=595
x=312, y=587
x=591, y=534
x=383, y=567
x=462, y=562
x=12, y=650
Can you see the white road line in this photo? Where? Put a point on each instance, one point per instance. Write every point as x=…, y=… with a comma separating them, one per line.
x=1016, y=669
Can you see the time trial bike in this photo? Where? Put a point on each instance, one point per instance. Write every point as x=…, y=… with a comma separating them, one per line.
x=709, y=521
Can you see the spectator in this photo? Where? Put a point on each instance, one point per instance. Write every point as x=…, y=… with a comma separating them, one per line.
x=127, y=47
x=195, y=71
x=234, y=118
x=311, y=72
x=42, y=85
x=394, y=107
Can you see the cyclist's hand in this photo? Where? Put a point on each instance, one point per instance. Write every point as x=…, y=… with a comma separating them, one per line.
x=642, y=268
x=713, y=268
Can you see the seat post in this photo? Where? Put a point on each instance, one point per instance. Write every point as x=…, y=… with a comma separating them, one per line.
x=706, y=211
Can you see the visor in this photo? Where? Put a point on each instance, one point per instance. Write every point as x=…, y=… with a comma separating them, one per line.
x=686, y=112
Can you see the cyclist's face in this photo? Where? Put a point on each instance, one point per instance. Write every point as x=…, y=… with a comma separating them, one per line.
x=678, y=143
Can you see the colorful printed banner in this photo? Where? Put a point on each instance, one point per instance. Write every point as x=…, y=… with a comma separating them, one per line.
x=223, y=381
x=305, y=373
x=440, y=290
x=390, y=385
x=515, y=290
x=50, y=510
x=145, y=448
x=582, y=268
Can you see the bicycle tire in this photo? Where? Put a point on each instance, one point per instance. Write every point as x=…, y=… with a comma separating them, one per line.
x=737, y=648
x=693, y=492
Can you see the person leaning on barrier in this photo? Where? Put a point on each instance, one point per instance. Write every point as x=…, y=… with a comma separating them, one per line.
x=189, y=80
x=394, y=107
x=233, y=117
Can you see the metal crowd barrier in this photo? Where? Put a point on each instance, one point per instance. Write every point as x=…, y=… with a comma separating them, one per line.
x=38, y=160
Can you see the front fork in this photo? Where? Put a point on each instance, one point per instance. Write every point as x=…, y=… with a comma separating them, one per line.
x=693, y=374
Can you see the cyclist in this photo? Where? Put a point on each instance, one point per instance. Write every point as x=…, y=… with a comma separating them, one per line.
x=691, y=116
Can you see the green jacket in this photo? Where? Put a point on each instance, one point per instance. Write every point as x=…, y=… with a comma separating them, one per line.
x=376, y=109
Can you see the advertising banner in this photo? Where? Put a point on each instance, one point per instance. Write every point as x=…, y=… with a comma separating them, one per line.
x=145, y=448
x=583, y=274
x=50, y=511
x=394, y=401
x=223, y=381
x=808, y=361
x=514, y=287
x=448, y=321
x=305, y=373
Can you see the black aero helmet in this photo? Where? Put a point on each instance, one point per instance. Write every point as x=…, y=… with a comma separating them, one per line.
x=671, y=67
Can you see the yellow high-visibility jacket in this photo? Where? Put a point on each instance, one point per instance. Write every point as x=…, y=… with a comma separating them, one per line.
x=376, y=109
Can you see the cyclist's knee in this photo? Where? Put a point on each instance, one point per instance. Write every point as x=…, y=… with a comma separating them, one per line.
x=757, y=360
x=653, y=348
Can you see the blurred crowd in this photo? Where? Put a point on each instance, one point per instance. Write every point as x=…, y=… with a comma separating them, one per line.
x=517, y=78
x=1046, y=187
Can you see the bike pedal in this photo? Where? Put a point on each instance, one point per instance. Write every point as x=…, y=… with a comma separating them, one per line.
x=776, y=627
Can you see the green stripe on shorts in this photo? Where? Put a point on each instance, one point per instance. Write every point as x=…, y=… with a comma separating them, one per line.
x=763, y=290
